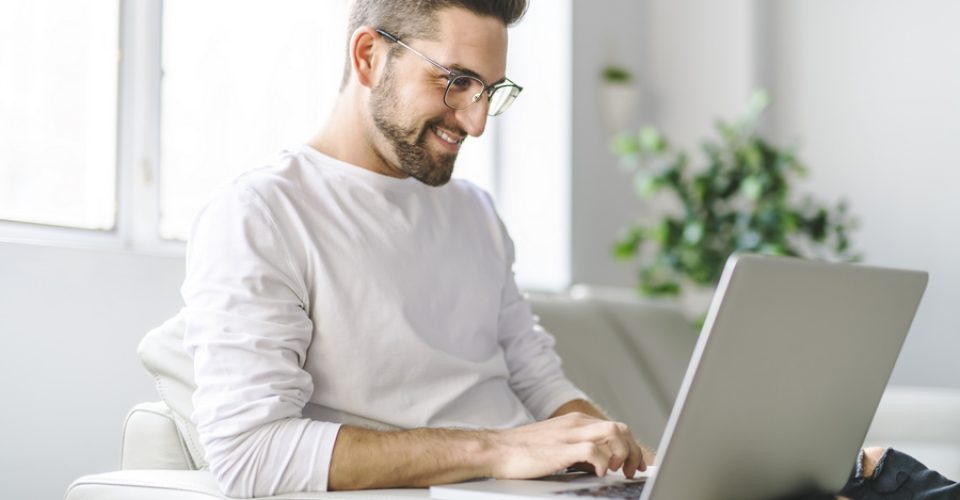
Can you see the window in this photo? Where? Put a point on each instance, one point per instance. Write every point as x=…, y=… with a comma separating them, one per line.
x=534, y=146
x=58, y=112
x=242, y=79
x=124, y=116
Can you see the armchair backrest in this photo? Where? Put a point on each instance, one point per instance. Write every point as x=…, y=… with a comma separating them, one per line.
x=162, y=354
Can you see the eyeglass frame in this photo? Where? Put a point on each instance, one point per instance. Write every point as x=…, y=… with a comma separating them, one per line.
x=453, y=75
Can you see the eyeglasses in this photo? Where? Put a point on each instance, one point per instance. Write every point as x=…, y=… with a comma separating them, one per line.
x=464, y=90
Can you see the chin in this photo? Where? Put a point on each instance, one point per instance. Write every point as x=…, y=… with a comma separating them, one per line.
x=436, y=180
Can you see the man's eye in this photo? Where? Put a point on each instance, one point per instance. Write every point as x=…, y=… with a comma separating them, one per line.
x=462, y=83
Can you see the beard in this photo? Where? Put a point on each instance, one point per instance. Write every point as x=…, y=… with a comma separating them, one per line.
x=409, y=143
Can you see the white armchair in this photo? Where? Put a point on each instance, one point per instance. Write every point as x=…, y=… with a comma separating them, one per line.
x=627, y=354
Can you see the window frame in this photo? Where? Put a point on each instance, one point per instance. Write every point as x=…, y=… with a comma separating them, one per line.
x=136, y=226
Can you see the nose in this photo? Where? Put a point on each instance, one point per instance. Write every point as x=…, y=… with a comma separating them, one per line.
x=473, y=118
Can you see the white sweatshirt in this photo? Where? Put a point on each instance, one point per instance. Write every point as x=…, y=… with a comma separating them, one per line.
x=319, y=293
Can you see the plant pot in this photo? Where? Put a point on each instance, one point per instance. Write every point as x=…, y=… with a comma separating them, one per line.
x=618, y=104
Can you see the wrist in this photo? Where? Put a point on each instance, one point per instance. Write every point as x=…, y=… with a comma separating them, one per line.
x=484, y=451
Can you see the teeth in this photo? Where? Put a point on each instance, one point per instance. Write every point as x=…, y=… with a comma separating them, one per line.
x=443, y=135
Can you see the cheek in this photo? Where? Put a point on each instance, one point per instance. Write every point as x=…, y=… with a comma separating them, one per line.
x=423, y=102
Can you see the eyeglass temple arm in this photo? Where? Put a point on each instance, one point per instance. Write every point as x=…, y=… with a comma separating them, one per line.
x=387, y=35
x=396, y=40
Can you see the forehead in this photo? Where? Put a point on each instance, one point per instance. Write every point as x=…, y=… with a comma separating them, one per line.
x=470, y=41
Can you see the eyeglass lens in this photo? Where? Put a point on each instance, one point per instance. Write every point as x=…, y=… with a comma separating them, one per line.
x=466, y=90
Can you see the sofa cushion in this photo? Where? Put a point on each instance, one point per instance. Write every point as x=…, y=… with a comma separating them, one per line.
x=162, y=354
x=659, y=336
x=603, y=363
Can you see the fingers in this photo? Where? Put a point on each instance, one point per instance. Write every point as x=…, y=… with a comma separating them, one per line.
x=575, y=439
x=596, y=455
x=615, y=437
x=635, y=461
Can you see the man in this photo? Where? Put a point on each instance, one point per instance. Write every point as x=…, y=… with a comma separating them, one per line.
x=352, y=312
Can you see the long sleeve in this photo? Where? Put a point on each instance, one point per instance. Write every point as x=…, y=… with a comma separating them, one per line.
x=535, y=372
x=248, y=332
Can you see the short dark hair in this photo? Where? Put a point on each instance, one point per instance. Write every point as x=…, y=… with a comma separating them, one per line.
x=416, y=18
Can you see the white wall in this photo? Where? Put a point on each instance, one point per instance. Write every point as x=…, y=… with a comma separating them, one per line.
x=868, y=88
x=601, y=201
x=70, y=321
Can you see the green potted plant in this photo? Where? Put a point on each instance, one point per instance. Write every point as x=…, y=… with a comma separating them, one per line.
x=738, y=200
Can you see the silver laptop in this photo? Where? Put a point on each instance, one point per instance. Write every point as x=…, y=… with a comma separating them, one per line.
x=780, y=390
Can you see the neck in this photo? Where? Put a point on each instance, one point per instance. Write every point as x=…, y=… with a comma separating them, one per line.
x=348, y=136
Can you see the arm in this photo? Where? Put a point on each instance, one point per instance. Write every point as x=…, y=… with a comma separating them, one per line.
x=366, y=458
x=248, y=334
x=535, y=372
x=579, y=405
x=536, y=376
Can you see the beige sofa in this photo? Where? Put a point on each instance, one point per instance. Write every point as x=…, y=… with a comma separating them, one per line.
x=629, y=355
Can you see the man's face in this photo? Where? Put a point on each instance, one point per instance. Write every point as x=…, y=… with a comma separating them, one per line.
x=417, y=134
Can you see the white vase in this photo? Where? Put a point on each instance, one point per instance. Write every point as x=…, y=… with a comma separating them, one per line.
x=618, y=103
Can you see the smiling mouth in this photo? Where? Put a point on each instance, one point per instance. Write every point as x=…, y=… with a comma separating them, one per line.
x=446, y=136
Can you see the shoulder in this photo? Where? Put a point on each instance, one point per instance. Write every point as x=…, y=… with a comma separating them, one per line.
x=257, y=194
x=281, y=179
x=467, y=192
x=481, y=207
x=269, y=187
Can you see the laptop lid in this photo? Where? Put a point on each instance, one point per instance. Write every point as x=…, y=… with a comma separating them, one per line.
x=785, y=378
x=781, y=388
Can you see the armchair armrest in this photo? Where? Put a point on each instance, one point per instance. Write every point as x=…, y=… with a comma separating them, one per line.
x=151, y=440
x=921, y=421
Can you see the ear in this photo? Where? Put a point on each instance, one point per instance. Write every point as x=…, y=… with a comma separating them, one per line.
x=367, y=52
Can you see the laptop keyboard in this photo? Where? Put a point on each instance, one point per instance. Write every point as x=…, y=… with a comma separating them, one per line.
x=628, y=491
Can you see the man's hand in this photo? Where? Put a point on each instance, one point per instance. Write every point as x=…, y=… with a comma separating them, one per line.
x=584, y=406
x=546, y=447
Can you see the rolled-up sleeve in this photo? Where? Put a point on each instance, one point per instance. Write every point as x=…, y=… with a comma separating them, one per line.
x=535, y=372
x=248, y=332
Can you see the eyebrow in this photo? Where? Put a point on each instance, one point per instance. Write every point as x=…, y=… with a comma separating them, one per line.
x=469, y=72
